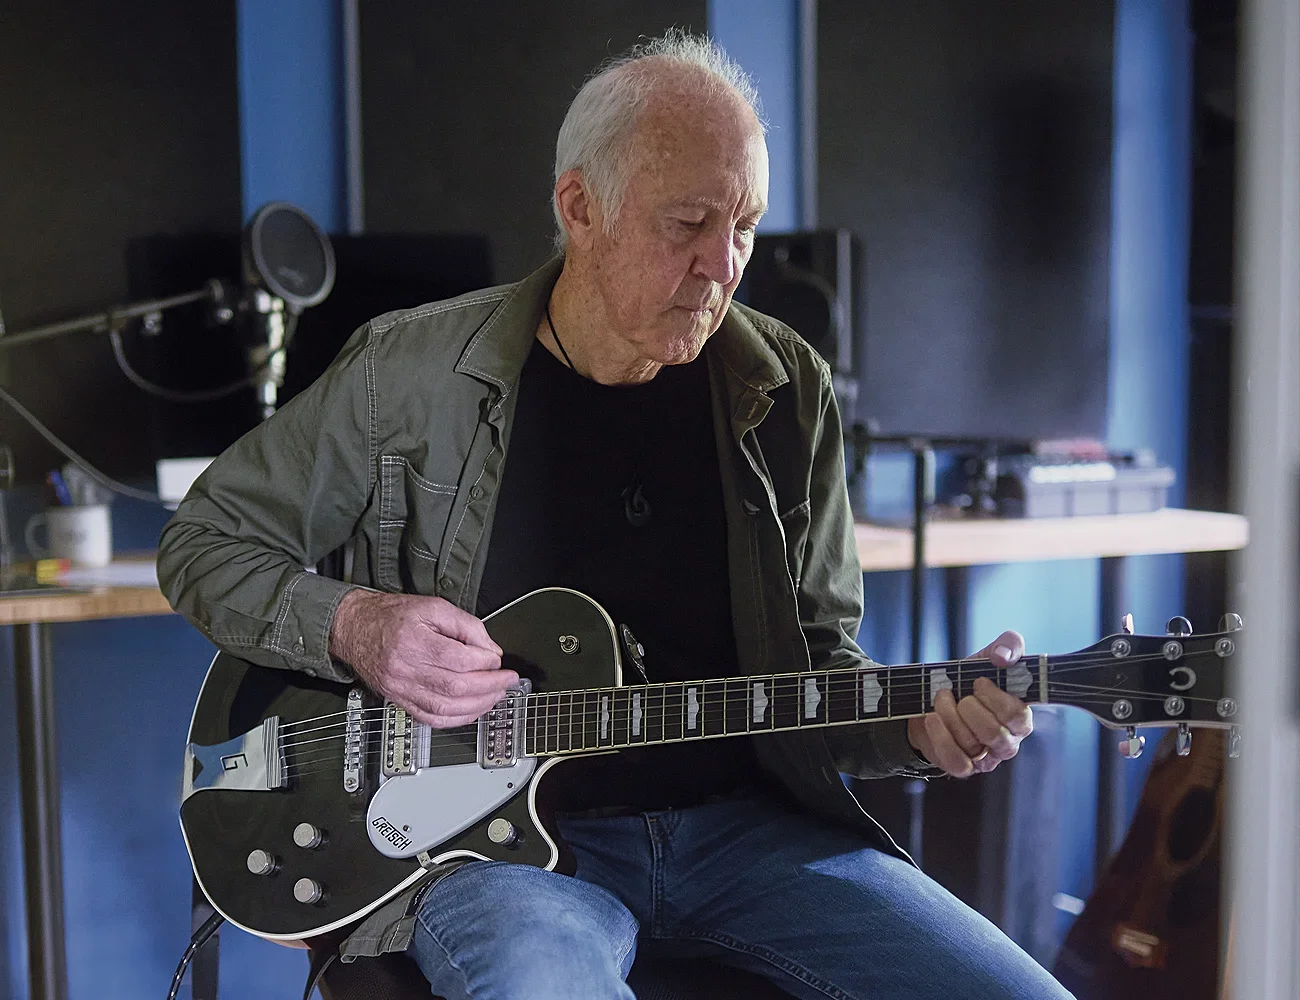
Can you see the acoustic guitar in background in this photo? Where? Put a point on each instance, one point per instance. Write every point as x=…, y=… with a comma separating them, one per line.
x=1150, y=930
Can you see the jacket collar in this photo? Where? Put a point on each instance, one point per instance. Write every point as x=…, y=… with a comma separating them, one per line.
x=748, y=367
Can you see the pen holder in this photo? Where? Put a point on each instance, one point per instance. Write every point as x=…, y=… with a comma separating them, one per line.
x=82, y=535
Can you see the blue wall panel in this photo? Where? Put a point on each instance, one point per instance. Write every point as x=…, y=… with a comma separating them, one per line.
x=762, y=35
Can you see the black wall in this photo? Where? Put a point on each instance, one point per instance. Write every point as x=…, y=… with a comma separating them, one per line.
x=968, y=146
x=462, y=103
x=117, y=120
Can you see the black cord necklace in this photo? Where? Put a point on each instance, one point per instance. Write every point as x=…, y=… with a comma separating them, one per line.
x=551, y=323
x=636, y=508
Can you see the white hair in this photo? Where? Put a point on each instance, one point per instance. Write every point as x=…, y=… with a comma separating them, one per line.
x=596, y=133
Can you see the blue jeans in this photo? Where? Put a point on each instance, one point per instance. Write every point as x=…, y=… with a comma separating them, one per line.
x=746, y=882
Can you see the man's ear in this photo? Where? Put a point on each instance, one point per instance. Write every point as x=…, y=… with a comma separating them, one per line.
x=579, y=212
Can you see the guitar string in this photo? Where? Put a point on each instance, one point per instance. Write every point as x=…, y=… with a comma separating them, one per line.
x=467, y=744
x=840, y=685
x=833, y=674
x=1098, y=659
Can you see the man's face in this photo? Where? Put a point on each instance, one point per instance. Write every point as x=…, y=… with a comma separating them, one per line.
x=684, y=233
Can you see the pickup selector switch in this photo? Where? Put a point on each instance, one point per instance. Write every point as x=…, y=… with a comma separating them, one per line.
x=262, y=862
x=308, y=891
x=308, y=837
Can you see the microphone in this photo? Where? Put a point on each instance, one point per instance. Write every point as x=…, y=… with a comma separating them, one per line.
x=288, y=267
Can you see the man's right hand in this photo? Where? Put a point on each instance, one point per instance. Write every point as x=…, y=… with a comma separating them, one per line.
x=423, y=653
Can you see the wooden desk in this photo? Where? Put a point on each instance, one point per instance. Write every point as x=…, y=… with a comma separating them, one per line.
x=974, y=542
x=38, y=762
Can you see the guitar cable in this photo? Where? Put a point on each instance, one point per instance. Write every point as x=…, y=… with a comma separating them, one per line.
x=197, y=941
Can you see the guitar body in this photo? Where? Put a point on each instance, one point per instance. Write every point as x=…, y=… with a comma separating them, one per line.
x=1150, y=930
x=224, y=826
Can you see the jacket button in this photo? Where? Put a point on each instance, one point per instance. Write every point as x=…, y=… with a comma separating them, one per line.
x=444, y=583
x=750, y=508
x=476, y=493
x=299, y=648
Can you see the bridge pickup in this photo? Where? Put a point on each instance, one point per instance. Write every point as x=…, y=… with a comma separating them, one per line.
x=253, y=762
x=501, y=730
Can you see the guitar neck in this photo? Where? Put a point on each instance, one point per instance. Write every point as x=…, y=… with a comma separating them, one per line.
x=583, y=721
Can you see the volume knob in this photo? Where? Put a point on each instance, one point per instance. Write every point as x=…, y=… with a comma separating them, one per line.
x=262, y=862
x=308, y=837
x=502, y=831
x=308, y=891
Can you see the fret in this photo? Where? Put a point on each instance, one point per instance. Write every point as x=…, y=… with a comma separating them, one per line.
x=841, y=695
x=713, y=718
x=674, y=711
x=590, y=720
x=621, y=719
x=907, y=691
x=654, y=713
x=739, y=716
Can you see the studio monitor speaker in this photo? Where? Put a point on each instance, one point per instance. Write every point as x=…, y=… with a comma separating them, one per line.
x=806, y=281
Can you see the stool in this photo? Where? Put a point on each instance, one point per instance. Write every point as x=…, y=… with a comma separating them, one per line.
x=397, y=977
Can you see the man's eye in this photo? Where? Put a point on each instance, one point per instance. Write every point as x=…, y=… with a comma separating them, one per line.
x=691, y=223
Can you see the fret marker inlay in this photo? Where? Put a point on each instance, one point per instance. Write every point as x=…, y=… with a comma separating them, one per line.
x=939, y=681
x=1018, y=680
x=871, y=693
x=604, y=716
x=692, y=709
x=811, y=698
x=759, y=702
x=636, y=714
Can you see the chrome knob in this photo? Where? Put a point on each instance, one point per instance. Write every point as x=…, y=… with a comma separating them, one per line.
x=1131, y=746
x=1126, y=624
x=308, y=891
x=308, y=837
x=262, y=862
x=502, y=831
x=1178, y=625
x=1184, y=742
x=1230, y=623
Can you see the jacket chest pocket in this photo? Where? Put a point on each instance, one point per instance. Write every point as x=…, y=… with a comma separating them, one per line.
x=413, y=514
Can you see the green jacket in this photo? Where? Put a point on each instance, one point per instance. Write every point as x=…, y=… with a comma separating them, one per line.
x=399, y=448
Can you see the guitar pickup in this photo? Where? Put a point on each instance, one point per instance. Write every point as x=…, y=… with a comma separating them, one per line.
x=253, y=762
x=501, y=729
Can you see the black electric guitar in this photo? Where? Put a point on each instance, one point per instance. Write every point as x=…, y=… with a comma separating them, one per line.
x=306, y=804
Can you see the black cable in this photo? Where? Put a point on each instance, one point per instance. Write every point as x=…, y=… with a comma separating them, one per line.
x=197, y=941
x=175, y=395
x=106, y=481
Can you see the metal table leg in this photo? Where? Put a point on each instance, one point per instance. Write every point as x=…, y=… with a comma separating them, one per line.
x=42, y=841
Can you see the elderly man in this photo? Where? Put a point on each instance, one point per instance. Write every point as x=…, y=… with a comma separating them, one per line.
x=615, y=424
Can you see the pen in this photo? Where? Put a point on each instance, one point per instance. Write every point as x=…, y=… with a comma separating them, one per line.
x=55, y=479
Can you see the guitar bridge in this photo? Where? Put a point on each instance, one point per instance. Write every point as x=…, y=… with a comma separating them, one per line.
x=253, y=762
x=501, y=730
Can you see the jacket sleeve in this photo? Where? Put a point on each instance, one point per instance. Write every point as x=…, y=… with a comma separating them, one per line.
x=233, y=558
x=830, y=603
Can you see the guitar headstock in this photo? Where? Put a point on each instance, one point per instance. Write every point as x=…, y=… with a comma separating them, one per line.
x=1177, y=679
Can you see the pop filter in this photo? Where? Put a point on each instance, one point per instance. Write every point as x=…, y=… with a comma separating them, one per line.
x=288, y=265
x=286, y=254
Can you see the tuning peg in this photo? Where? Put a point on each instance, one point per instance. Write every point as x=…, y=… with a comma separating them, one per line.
x=1230, y=623
x=1178, y=625
x=1234, y=741
x=1184, y=742
x=1131, y=746
x=1126, y=624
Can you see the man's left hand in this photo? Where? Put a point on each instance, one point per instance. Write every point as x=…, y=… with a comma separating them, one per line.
x=983, y=729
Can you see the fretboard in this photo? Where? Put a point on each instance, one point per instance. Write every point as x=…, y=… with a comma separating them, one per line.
x=615, y=718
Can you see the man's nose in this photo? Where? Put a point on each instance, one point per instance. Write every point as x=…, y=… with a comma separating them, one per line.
x=717, y=259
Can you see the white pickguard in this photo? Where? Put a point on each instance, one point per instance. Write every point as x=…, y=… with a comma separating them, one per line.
x=417, y=812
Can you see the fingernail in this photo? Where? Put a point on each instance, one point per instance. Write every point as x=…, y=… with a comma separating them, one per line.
x=1003, y=652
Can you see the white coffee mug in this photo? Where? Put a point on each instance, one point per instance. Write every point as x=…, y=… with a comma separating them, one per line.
x=82, y=535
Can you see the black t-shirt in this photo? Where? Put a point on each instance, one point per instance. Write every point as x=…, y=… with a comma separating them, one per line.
x=615, y=491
